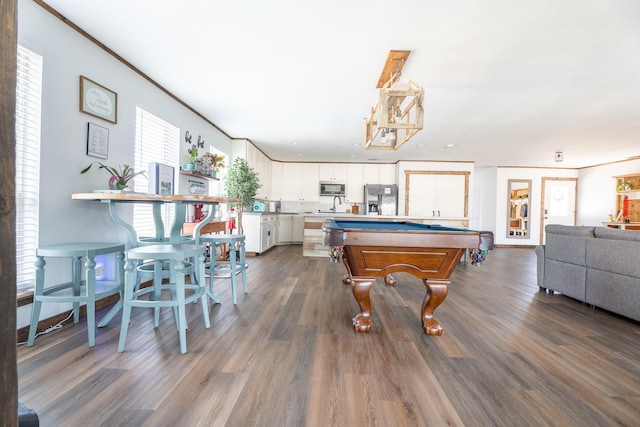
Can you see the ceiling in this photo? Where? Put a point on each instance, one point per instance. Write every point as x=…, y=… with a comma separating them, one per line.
x=508, y=83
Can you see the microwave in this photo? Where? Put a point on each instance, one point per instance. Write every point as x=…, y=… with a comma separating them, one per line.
x=333, y=188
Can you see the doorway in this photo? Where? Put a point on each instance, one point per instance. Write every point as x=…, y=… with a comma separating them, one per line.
x=559, y=202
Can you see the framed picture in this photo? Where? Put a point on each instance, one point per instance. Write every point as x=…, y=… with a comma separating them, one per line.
x=97, y=141
x=98, y=101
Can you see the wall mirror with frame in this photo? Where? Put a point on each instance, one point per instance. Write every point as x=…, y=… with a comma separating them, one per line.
x=518, y=203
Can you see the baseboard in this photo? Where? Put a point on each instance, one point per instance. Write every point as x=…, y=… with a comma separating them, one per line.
x=44, y=324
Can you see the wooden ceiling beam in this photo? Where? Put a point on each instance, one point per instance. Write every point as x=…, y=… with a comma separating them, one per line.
x=395, y=62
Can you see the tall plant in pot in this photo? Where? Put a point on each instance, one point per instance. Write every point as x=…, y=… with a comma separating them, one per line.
x=242, y=182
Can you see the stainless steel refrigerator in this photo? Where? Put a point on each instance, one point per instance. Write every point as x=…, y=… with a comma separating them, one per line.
x=381, y=199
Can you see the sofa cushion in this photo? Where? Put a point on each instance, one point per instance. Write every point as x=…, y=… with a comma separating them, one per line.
x=614, y=292
x=617, y=234
x=614, y=255
x=565, y=278
x=566, y=243
x=570, y=230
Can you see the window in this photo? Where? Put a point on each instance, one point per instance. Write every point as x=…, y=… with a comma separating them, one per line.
x=156, y=141
x=28, y=106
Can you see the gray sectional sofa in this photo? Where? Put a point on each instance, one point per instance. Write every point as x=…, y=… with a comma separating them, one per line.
x=599, y=266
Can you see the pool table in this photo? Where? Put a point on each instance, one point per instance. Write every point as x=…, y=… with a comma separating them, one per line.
x=371, y=249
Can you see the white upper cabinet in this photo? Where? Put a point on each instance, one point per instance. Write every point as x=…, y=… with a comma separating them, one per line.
x=300, y=182
x=277, y=180
x=355, y=183
x=379, y=173
x=387, y=174
x=262, y=166
x=333, y=172
x=256, y=159
x=435, y=195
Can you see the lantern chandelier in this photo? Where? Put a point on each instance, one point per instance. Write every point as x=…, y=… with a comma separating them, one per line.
x=398, y=114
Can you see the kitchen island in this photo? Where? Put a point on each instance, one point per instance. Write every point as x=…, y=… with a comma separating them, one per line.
x=312, y=245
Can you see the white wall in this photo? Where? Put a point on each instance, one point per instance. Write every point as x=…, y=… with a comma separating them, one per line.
x=67, y=55
x=535, y=200
x=597, y=191
x=484, y=200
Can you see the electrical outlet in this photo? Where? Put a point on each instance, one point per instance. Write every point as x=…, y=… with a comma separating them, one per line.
x=99, y=270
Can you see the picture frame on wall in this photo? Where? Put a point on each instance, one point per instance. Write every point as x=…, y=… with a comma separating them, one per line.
x=97, y=141
x=98, y=101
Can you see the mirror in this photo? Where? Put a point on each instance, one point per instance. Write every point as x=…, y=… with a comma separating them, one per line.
x=518, y=202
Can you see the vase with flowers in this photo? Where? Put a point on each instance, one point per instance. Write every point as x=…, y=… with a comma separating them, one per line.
x=120, y=177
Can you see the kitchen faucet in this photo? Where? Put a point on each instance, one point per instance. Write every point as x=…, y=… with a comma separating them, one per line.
x=334, y=202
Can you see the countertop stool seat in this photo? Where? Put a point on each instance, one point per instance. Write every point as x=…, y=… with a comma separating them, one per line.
x=93, y=289
x=176, y=256
x=234, y=265
x=146, y=269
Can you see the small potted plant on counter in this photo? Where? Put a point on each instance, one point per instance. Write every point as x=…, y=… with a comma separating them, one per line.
x=119, y=177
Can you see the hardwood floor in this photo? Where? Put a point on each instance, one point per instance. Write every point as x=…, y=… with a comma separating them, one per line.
x=287, y=355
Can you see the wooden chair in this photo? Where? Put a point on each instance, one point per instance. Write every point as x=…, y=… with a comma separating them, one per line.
x=93, y=289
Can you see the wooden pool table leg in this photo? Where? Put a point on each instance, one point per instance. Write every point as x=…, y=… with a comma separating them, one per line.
x=360, y=287
x=389, y=280
x=437, y=290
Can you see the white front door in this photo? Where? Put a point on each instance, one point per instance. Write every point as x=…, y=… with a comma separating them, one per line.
x=559, y=204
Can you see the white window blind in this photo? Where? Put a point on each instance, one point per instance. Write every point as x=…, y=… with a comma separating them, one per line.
x=156, y=141
x=28, y=106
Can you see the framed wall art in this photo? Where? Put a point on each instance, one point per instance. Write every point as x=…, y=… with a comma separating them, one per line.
x=97, y=141
x=98, y=101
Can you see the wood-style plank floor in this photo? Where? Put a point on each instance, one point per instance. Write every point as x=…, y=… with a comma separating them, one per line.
x=287, y=355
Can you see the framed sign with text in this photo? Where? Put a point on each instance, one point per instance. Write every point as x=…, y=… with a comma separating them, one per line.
x=98, y=101
x=97, y=141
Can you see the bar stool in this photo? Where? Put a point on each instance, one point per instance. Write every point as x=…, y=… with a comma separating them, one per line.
x=93, y=289
x=176, y=255
x=145, y=269
x=232, y=266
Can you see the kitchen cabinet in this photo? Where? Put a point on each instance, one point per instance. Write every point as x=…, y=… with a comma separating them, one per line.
x=298, y=228
x=355, y=183
x=260, y=230
x=333, y=172
x=301, y=182
x=290, y=229
x=379, y=173
x=433, y=194
x=285, y=229
x=277, y=180
x=262, y=166
x=257, y=160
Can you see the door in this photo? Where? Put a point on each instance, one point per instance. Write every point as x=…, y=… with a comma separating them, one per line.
x=559, y=204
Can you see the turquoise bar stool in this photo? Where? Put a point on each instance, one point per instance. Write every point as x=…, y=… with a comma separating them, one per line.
x=175, y=255
x=83, y=291
x=146, y=269
x=234, y=265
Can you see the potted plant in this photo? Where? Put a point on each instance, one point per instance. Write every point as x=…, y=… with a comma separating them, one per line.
x=212, y=163
x=119, y=177
x=192, y=157
x=242, y=182
x=217, y=163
